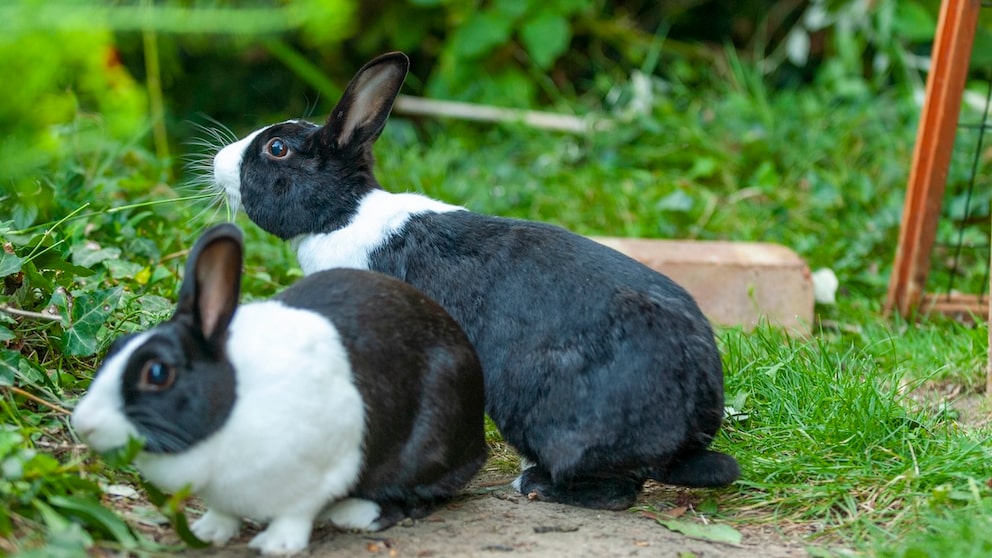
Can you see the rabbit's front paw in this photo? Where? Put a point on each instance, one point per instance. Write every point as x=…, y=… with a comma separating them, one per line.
x=354, y=513
x=283, y=536
x=216, y=527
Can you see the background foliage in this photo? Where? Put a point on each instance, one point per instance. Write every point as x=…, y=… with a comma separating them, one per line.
x=788, y=121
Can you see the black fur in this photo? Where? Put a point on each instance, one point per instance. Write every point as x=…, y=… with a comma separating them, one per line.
x=415, y=369
x=307, y=143
x=425, y=436
x=197, y=404
x=191, y=346
x=598, y=369
x=594, y=363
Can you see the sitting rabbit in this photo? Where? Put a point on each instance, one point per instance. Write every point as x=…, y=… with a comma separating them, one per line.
x=350, y=394
x=601, y=372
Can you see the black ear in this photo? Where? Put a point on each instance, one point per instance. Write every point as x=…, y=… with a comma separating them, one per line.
x=361, y=113
x=212, y=284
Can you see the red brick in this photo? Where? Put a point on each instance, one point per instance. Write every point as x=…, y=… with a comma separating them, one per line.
x=735, y=283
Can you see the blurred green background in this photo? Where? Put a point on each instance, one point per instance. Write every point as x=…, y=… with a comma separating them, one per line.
x=787, y=121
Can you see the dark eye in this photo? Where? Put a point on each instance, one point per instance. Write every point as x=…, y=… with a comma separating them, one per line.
x=156, y=376
x=276, y=148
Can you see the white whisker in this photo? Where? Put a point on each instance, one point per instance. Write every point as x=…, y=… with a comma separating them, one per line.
x=199, y=163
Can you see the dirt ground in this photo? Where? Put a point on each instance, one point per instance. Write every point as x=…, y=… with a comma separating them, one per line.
x=491, y=519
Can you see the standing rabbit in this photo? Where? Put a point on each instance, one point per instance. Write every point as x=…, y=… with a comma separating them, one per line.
x=601, y=372
x=350, y=394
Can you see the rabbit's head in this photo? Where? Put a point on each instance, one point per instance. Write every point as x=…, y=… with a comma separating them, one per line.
x=297, y=177
x=173, y=385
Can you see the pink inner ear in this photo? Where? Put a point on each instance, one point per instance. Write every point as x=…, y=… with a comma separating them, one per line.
x=217, y=274
x=368, y=102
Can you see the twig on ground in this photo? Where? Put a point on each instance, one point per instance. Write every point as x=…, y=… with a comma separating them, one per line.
x=407, y=104
x=29, y=314
x=38, y=400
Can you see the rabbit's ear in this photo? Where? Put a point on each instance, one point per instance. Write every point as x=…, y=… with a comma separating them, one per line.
x=212, y=284
x=361, y=113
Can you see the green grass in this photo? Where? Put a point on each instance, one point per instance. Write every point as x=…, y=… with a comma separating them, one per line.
x=853, y=435
x=834, y=437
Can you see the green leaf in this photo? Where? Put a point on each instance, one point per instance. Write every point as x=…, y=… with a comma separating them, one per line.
x=703, y=167
x=123, y=270
x=54, y=261
x=9, y=365
x=677, y=202
x=124, y=455
x=6, y=334
x=61, y=531
x=546, y=37
x=712, y=532
x=96, y=516
x=83, y=317
x=511, y=9
x=89, y=254
x=25, y=214
x=9, y=264
x=480, y=34
x=181, y=526
x=172, y=508
x=914, y=22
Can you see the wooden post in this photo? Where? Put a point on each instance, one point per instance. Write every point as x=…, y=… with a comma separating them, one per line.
x=932, y=153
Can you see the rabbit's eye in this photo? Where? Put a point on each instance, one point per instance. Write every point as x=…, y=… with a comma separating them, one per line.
x=156, y=376
x=276, y=148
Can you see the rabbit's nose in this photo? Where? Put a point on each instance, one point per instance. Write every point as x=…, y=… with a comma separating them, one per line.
x=83, y=427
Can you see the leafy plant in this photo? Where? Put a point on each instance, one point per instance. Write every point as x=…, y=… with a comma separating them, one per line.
x=834, y=431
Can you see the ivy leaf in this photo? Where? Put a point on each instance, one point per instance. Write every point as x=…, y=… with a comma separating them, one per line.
x=9, y=365
x=712, y=532
x=9, y=264
x=89, y=254
x=25, y=214
x=53, y=261
x=14, y=366
x=546, y=37
x=83, y=316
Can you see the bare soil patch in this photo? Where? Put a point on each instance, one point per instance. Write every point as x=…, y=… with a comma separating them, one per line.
x=491, y=519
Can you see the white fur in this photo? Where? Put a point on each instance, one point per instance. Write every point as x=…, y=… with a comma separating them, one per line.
x=287, y=534
x=227, y=168
x=524, y=465
x=99, y=416
x=216, y=527
x=292, y=443
x=380, y=215
x=354, y=513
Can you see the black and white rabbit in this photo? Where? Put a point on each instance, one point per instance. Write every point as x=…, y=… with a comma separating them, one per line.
x=350, y=396
x=601, y=372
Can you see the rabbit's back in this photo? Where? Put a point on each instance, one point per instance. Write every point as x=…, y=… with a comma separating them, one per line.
x=580, y=343
x=418, y=374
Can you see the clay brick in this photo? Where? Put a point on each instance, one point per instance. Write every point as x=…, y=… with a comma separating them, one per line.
x=735, y=283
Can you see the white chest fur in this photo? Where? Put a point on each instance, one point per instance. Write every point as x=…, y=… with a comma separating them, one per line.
x=380, y=215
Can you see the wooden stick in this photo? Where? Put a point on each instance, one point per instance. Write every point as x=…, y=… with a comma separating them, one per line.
x=29, y=314
x=406, y=104
x=932, y=153
x=38, y=400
